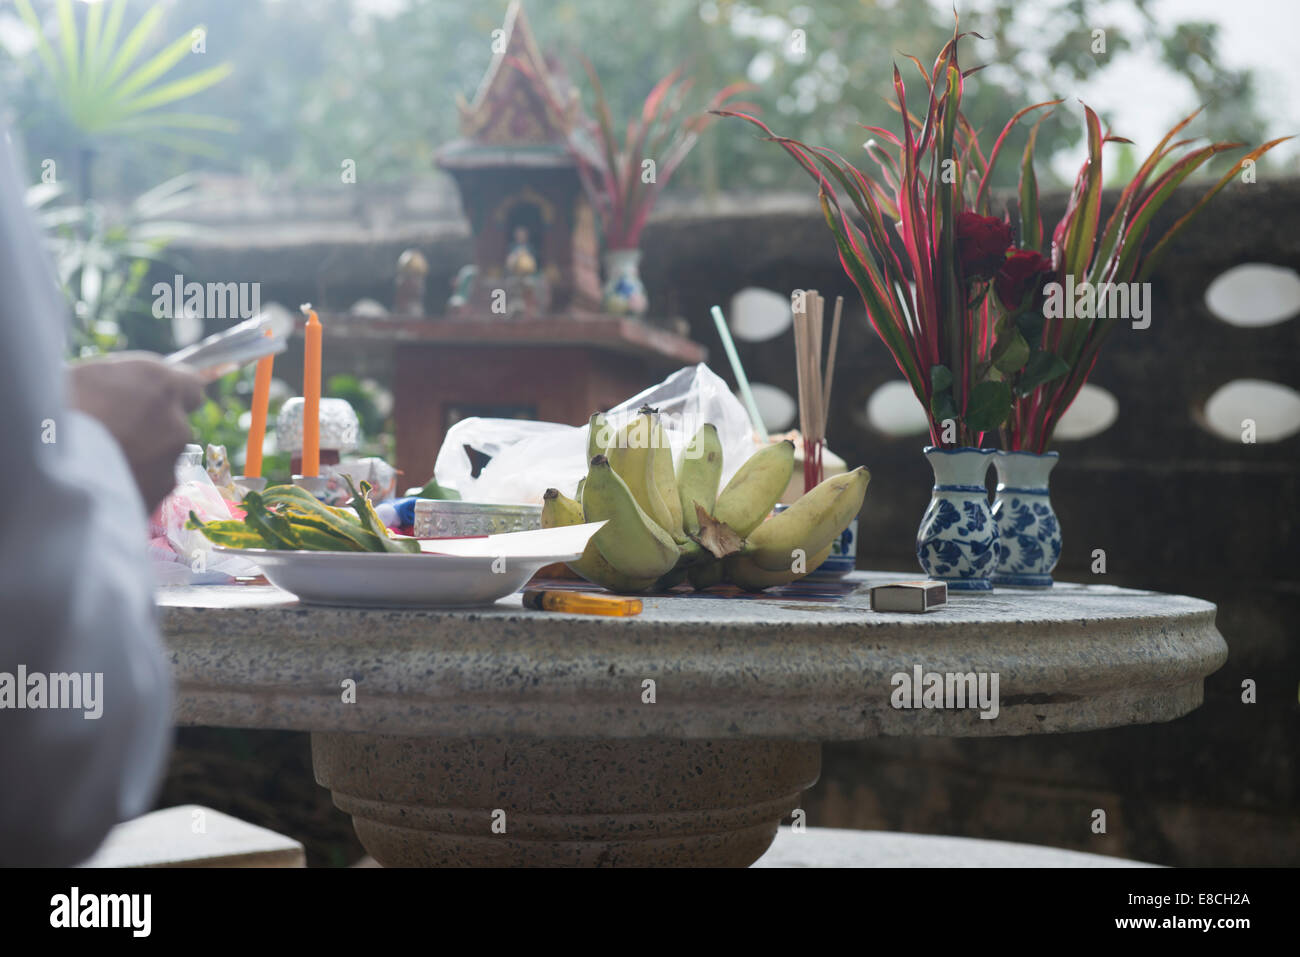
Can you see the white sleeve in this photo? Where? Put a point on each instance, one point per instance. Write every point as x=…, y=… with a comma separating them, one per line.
x=75, y=585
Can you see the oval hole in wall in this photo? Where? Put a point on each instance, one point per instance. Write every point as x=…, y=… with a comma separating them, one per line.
x=759, y=314
x=1273, y=408
x=894, y=409
x=1093, y=412
x=1254, y=294
x=775, y=406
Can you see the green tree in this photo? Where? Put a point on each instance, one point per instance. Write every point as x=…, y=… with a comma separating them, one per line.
x=316, y=83
x=104, y=87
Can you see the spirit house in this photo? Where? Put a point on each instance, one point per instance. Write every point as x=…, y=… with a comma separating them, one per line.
x=535, y=236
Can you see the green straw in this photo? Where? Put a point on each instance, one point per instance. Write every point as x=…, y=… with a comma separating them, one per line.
x=746, y=393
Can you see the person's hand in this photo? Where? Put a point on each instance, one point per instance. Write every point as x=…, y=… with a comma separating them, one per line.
x=143, y=403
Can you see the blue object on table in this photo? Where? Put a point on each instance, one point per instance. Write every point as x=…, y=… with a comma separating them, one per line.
x=405, y=508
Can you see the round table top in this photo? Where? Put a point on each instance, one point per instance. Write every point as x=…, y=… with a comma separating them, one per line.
x=1072, y=658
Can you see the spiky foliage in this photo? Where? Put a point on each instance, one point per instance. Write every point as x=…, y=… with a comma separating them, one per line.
x=1122, y=252
x=624, y=179
x=973, y=361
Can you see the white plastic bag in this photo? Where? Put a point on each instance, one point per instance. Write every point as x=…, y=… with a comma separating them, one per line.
x=192, y=560
x=527, y=459
x=530, y=457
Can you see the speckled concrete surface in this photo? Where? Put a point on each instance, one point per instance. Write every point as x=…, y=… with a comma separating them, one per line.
x=1070, y=659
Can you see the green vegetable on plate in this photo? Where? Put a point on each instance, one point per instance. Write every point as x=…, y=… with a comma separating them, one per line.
x=288, y=518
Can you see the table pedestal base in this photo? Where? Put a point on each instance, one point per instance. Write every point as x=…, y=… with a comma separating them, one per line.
x=505, y=802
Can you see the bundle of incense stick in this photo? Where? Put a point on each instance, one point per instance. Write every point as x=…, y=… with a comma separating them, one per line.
x=814, y=383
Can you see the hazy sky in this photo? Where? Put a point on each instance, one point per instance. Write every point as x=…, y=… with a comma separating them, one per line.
x=1144, y=99
x=1256, y=33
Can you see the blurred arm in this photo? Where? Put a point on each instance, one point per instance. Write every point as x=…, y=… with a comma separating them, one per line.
x=75, y=584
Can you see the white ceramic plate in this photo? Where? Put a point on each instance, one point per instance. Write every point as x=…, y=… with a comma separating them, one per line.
x=377, y=579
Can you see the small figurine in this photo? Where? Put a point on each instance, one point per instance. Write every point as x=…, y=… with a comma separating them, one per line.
x=462, y=287
x=412, y=268
x=218, y=467
x=521, y=261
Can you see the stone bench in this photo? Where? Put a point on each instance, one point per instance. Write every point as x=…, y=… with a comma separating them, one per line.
x=193, y=836
x=838, y=847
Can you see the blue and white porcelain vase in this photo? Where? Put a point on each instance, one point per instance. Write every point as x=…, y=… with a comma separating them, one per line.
x=1028, y=530
x=957, y=542
x=624, y=293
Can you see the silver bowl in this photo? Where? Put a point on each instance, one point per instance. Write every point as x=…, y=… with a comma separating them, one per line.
x=449, y=519
x=339, y=427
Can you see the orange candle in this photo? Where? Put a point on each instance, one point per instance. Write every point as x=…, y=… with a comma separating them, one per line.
x=311, y=396
x=257, y=428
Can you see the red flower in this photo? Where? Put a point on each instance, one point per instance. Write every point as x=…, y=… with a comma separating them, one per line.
x=1019, y=279
x=982, y=243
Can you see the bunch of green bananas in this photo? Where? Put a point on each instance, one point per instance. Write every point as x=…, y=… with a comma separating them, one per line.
x=664, y=526
x=288, y=518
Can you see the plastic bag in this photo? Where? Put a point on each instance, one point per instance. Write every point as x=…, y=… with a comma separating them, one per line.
x=530, y=457
x=527, y=459
x=192, y=562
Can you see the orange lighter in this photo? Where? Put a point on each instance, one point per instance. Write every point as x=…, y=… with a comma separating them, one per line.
x=578, y=603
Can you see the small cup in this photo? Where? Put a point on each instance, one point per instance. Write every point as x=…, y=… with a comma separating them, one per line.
x=254, y=483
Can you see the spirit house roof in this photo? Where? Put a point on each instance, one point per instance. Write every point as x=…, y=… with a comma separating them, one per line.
x=510, y=122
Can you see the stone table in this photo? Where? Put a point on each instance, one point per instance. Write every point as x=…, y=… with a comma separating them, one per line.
x=681, y=736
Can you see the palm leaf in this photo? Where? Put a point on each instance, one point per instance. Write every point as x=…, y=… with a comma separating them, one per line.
x=153, y=68
x=43, y=48
x=179, y=89
x=94, y=24
x=68, y=41
x=108, y=37
x=103, y=87
x=132, y=46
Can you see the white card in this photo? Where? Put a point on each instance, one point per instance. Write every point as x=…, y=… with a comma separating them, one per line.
x=537, y=543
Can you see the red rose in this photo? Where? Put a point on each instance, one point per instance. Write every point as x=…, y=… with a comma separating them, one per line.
x=982, y=243
x=1019, y=278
